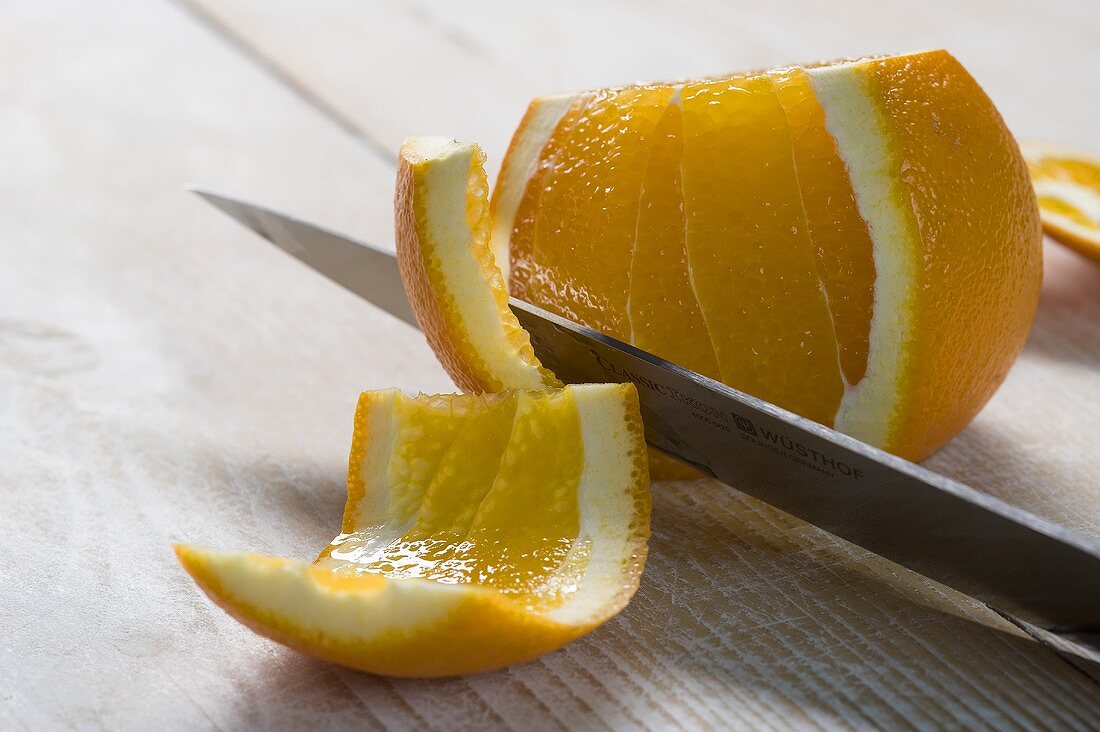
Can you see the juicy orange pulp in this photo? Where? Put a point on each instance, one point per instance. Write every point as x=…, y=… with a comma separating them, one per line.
x=487, y=484
x=741, y=226
x=739, y=167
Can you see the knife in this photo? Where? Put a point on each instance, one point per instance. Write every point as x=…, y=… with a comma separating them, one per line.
x=1039, y=575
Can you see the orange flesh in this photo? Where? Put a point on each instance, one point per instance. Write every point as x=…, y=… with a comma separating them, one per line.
x=1081, y=172
x=470, y=479
x=460, y=485
x=588, y=206
x=842, y=245
x=665, y=317
x=676, y=230
x=749, y=249
x=532, y=280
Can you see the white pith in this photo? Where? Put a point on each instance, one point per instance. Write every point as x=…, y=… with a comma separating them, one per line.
x=379, y=444
x=377, y=500
x=856, y=122
x=286, y=589
x=1083, y=199
x=445, y=189
x=523, y=161
x=604, y=501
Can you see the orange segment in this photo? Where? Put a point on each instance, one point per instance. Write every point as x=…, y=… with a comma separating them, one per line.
x=842, y=245
x=520, y=165
x=540, y=473
x=664, y=314
x=766, y=314
x=509, y=455
x=419, y=450
x=516, y=205
x=1067, y=183
x=588, y=209
x=460, y=485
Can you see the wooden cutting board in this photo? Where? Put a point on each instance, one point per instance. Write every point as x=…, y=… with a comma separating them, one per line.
x=165, y=376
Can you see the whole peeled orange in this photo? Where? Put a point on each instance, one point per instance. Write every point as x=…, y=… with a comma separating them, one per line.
x=854, y=241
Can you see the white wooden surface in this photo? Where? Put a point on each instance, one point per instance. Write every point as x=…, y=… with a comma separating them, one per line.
x=164, y=376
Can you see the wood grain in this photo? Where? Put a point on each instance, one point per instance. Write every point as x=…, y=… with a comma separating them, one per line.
x=468, y=69
x=164, y=376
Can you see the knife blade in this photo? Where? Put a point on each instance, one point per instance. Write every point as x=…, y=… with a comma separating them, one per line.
x=1020, y=564
x=367, y=271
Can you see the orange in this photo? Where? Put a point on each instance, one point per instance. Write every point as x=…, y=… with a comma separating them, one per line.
x=854, y=241
x=480, y=531
x=1067, y=183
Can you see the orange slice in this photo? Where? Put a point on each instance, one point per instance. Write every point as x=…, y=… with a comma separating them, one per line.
x=454, y=286
x=855, y=241
x=480, y=531
x=1067, y=183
